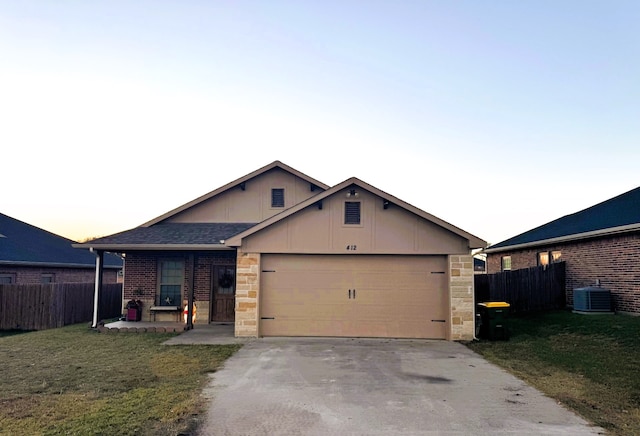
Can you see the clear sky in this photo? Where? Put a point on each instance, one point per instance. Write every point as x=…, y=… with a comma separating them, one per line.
x=115, y=112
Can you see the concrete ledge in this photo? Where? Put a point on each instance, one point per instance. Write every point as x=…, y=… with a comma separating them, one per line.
x=142, y=327
x=165, y=308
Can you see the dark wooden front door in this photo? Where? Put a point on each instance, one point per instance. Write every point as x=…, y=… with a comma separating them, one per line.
x=224, y=293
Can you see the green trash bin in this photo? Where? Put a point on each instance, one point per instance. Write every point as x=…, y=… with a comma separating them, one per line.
x=494, y=320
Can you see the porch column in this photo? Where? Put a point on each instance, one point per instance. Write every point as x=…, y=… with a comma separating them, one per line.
x=247, y=294
x=98, y=288
x=461, y=289
x=192, y=280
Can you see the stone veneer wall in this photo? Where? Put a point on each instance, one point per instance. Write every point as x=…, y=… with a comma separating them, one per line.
x=247, y=289
x=461, y=288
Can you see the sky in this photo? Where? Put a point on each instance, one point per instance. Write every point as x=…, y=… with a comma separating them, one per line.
x=495, y=116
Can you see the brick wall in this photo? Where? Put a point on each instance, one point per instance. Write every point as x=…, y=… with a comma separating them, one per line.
x=614, y=261
x=461, y=291
x=26, y=275
x=141, y=280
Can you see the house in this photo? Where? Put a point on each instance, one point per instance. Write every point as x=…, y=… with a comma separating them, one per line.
x=279, y=253
x=479, y=265
x=600, y=245
x=30, y=255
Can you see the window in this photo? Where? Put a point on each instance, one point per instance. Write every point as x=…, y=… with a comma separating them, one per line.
x=506, y=263
x=7, y=279
x=352, y=212
x=543, y=258
x=277, y=197
x=226, y=279
x=547, y=257
x=171, y=279
x=47, y=278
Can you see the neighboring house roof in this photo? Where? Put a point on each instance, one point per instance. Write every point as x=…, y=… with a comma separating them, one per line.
x=616, y=215
x=474, y=241
x=26, y=245
x=237, y=182
x=171, y=236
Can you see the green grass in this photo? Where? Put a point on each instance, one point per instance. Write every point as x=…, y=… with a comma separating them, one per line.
x=590, y=363
x=75, y=381
x=4, y=333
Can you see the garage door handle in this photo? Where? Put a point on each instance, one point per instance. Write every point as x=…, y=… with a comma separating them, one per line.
x=354, y=293
x=349, y=294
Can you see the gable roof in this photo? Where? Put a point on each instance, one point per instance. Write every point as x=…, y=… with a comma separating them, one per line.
x=26, y=245
x=616, y=215
x=474, y=241
x=237, y=182
x=170, y=236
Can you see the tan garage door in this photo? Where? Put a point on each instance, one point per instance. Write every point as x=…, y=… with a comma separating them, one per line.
x=354, y=296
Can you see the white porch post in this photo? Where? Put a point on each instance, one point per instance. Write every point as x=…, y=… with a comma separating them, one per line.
x=97, y=289
x=192, y=261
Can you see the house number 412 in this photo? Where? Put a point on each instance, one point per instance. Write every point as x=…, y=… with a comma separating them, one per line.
x=351, y=247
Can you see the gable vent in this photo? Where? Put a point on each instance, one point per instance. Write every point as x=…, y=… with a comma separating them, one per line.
x=591, y=299
x=352, y=212
x=277, y=197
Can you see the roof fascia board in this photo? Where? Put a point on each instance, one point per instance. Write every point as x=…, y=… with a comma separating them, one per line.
x=474, y=241
x=568, y=238
x=118, y=248
x=275, y=164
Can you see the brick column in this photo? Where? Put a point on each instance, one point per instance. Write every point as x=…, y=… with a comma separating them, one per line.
x=247, y=289
x=461, y=289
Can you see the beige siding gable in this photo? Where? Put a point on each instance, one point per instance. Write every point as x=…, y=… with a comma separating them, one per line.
x=251, y=204
x=394, y=230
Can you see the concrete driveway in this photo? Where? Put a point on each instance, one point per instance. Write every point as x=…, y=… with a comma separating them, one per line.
x=323, y=386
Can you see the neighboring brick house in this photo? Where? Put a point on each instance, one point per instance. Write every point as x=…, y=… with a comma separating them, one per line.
x=30, y=255
x=479, y=266
x=279, y=253
x=600, y=245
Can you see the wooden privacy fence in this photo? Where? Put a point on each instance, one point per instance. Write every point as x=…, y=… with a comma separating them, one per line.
x=526, y=290
x=39, y=307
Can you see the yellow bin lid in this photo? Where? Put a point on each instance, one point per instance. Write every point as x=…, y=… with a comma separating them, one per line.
x=495, y=304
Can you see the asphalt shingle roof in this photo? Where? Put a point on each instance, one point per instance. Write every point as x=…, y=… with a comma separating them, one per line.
x=622, y=210
x=176, y=233
x=26, y=244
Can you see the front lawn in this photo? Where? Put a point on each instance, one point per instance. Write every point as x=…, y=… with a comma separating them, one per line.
x=589, y=363
x=73, y=380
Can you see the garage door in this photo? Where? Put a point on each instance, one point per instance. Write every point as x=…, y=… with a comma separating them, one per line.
x=354, y=296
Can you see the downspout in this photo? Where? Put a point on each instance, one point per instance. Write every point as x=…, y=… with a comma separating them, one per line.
x=98, y=287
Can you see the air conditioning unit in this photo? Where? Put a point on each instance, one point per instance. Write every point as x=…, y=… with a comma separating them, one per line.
x=591, y=299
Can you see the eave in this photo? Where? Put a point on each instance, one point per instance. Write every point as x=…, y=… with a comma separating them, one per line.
x=231, y=185
x=474, y=241
x=121, y=248
x=568, y=238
